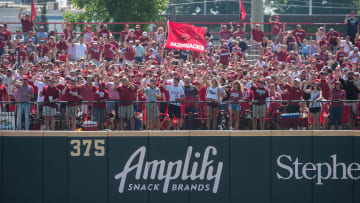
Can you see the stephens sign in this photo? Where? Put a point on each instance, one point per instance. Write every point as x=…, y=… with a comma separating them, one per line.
x=202, y=169
x=186, y=37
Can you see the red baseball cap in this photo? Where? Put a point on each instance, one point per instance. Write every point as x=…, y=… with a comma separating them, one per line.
x=196, y=82
x=137, y=26
x=25, y=77
x=101, y=83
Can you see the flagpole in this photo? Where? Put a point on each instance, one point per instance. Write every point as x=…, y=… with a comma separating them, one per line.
x=166, y=30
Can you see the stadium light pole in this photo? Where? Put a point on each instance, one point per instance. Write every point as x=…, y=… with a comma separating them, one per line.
x=310, y=7
x=173, y=10
x=204, y=7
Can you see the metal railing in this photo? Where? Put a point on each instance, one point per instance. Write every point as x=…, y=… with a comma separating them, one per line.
x=180, y=115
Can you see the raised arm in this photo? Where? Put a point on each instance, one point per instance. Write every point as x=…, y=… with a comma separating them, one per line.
x=346, y=19
x=19, y=15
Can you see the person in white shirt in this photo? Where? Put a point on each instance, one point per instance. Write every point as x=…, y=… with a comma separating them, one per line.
x=354, y=55
x=347, y=44
x=176, y=94
x=81, y=49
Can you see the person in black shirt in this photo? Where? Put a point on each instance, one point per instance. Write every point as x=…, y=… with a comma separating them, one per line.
x=352, y=88
x=352, y=26
x=191, y=97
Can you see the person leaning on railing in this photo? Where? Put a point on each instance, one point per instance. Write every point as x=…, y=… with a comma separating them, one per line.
x=23, y=94
x=127, y=94
x=72, y=94
x=336, y=106
x=98, y=113
x=152, y=94
x=51, y=95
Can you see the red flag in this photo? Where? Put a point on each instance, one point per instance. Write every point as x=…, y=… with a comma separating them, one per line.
x=33, y=10
x=242, y=11
x=186, y=37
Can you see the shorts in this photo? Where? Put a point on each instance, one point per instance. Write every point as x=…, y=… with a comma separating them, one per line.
x=48, y=111
x=71, y=111
x=151, y=110
x=213, y=104
x=234, y=107
x=98, y=115
x=126, y=111
x=174, y=111
x=259, y=111
x=315, y=109
x=138, y=58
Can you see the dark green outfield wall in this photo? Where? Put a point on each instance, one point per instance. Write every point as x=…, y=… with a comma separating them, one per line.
x=249, y=169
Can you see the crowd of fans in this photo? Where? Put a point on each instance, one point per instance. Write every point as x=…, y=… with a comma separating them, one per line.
x=120, y=83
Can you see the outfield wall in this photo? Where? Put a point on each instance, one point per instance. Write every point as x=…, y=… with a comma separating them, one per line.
x=180, y=167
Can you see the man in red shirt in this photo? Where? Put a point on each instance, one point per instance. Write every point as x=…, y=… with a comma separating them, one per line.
x=124, y=33
x=138, y=32
x=22, y=52
x=51, y=95
x=27, y=24
x=95, y=53
x=127, y=93
x=4, y=96
x=144, y=39
x=129, y=54
x=294, y=93
x=109, y=51
x=257, y=35
x=104, y=31
x=259, y=105
x=225, y=33
x=42, y=49
x=72, y=94
x=88, y=94
x=299, y=34
x=275, y=27
x=333, y=37
x=240, y=30
x=224, y=54
x=98, y=113
x=62, y=44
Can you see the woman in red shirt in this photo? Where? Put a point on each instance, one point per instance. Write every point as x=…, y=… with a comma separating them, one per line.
x=234, y=106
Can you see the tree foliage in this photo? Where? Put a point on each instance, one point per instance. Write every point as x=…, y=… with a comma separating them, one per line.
x=116, y=11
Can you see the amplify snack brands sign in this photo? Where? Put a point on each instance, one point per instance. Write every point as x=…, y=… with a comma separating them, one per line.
x=203, y=169
x=180, y=169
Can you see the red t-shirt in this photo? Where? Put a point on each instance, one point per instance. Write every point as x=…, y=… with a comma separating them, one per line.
x=123, y=35
x=3, y=93
x=225, y=34
x=27, y=25
x=284, y=96
x=224, y=56
x=42, y=50
x=341, y=55
x=257, y=35
x=70, y=95
x=3, y=39
x=299, y=34
x=22, y=50
x=260, y=94
x=238, y=56
x=47, y=92
x=144, y=40
x=291, y=59
x=282, y=55
x=238, y=34
x=100, y=96
x=131, y=38
x=332, y=37
x=109, y=51
x=235, y=95
x=129, y=53
x=105, y=33
x=126, y=94
x=138, y=33
x=52, y=44
x=319, y=65
x=275, y=27
x=94, y=53
x=202, y=93
x=60, y=87
x=323, y=84
x=295, y=93
x=62, y=45
x=62, y=57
